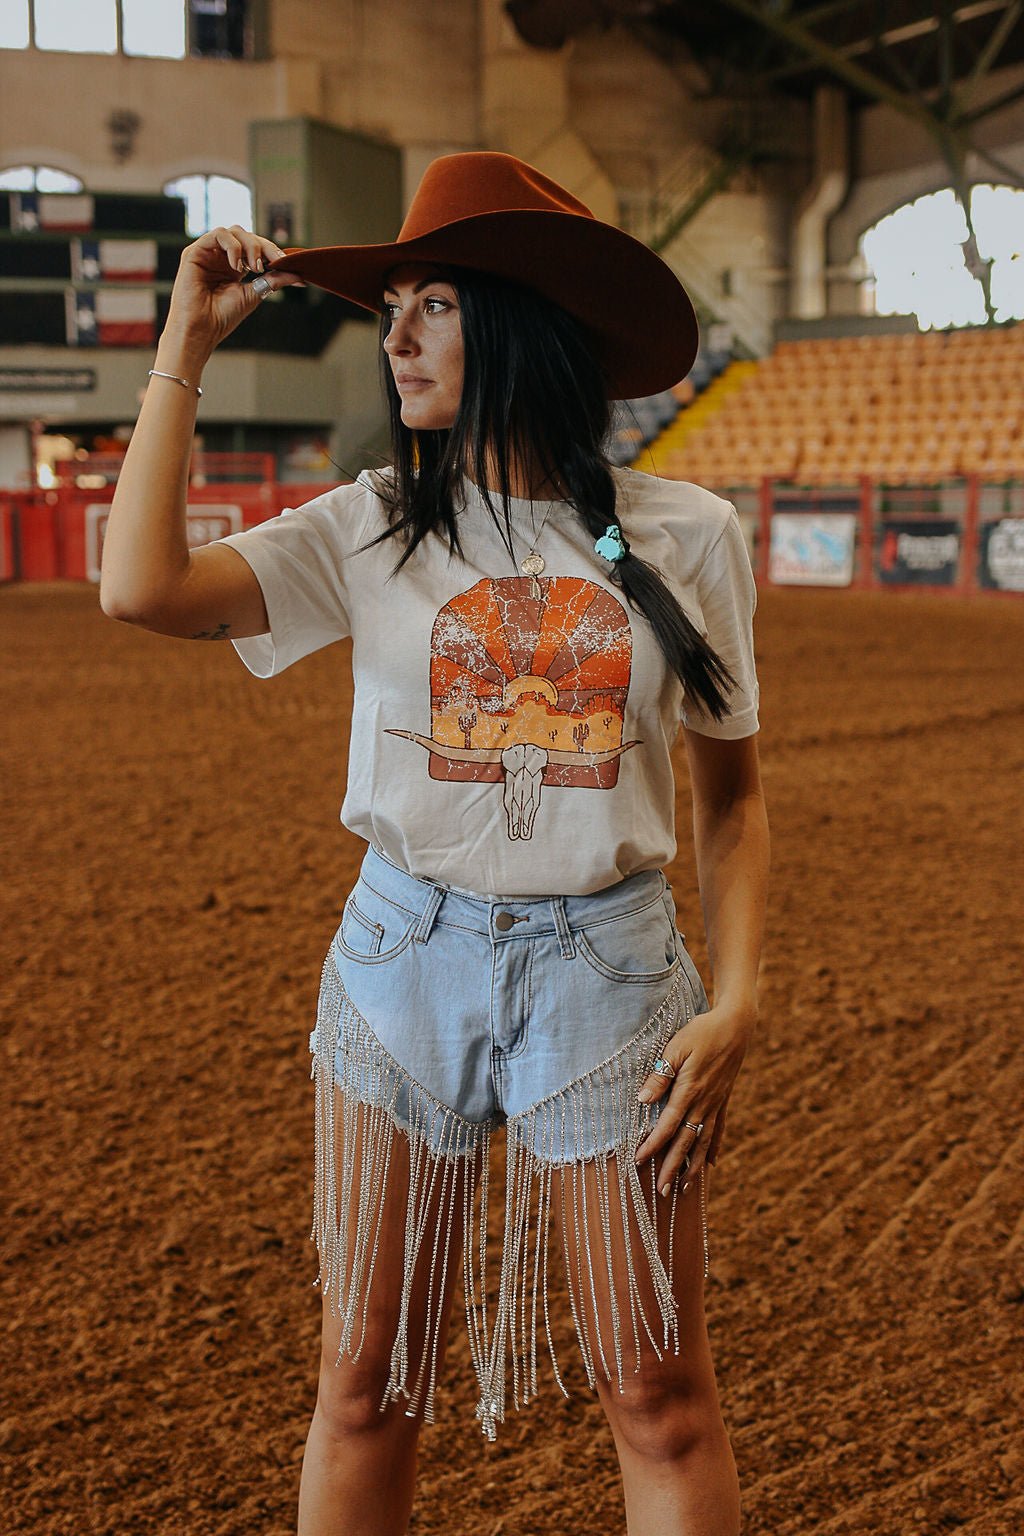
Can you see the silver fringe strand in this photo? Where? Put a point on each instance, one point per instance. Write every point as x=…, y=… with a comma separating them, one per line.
x=540, y=1142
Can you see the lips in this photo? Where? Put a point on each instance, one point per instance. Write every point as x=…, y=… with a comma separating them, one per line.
x=411, y=378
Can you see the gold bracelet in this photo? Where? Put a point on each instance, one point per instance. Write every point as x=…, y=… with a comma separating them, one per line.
x=184, y=382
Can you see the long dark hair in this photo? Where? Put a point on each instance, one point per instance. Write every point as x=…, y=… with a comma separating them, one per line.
x=533, y=392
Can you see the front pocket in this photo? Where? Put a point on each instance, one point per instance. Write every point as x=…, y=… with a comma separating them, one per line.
x=361, y=934
x=372, y=929
x=639, y=947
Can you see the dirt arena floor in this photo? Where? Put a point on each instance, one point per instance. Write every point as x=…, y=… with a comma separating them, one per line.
x=173, y=872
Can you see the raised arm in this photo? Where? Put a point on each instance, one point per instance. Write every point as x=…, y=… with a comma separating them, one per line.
x=149, y=577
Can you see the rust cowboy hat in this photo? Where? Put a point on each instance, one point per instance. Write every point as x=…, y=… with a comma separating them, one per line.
x=495, y=213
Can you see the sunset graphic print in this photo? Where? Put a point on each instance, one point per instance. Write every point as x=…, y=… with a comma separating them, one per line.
x=528, y=692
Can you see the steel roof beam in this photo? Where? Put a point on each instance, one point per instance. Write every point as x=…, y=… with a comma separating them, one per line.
x=892, y=36
x=832, y=59
x=992, y=48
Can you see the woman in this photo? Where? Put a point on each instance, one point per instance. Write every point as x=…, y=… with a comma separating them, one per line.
x=529, y=628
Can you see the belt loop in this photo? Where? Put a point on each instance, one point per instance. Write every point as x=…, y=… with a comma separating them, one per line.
x=423, y=929
x=565, y=939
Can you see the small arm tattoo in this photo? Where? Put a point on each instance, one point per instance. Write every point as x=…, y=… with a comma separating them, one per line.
x=220, y=633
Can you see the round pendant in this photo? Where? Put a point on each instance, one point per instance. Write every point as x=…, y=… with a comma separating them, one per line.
x=532, y=565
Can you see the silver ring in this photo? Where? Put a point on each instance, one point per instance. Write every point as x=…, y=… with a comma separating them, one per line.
x=664, y=1068
x=699, y=1127
x=261, y=286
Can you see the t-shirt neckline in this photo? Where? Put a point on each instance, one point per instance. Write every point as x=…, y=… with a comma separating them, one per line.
x=474, y=499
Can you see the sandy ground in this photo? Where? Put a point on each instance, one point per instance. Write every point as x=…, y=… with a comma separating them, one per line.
x=173, y=872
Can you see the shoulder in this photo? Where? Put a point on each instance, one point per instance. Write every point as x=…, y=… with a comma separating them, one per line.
x=343, y=515
x=679, y=521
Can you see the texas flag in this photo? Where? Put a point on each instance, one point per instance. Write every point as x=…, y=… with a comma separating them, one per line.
x=118, y=261
x=52, y=210
x=111, y=317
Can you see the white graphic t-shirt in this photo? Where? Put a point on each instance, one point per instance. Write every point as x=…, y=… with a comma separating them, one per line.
x=510, y=734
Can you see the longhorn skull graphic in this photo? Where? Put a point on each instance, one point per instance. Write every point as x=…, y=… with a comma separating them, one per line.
x=523, y=767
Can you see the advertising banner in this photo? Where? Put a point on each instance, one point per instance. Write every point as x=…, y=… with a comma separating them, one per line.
x=1001, y=554
x=203, y=524
x=812, y=549
x=922, y=551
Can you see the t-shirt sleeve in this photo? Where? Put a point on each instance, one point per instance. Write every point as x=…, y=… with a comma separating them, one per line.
x=728, y=598
x=299, y=560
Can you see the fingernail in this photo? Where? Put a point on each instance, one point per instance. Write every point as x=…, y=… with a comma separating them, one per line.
x=664, y=1189
x=259, y=263
x=644, y=1095
x=685, y=1188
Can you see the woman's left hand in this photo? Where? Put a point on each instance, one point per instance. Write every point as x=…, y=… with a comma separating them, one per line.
x=707, y=1054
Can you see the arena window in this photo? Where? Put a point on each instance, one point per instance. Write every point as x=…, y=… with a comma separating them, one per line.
x=212, y=200
x=917, y=258
x=155, y=29
x=38, y=178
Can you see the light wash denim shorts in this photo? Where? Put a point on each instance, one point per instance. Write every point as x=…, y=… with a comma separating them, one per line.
x=444, y=1014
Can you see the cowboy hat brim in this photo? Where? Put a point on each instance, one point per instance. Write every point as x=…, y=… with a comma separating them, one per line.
x=637, y=311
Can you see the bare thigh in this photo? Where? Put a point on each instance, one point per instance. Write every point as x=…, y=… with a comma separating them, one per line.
x=611, y=1303
x=352, y=1387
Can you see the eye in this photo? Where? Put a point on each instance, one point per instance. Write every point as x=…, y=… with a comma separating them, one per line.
x=442, y=303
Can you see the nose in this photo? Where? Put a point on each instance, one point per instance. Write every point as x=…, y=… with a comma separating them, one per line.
x=399, y=339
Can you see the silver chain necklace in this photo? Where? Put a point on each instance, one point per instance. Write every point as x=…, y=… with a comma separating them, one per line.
x=533, y=564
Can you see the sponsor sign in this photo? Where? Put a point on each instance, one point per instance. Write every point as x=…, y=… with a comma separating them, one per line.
x=812, y=549
x=1001, y=554
x=925, y=551
x=203, y=524
x=17, y=379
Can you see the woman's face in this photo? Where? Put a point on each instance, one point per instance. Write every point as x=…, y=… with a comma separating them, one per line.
x=424, y=345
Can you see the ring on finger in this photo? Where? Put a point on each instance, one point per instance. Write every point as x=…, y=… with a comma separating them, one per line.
x=698, y=1128
x=663, y=1068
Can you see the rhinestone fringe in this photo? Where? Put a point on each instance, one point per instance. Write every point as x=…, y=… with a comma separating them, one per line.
x=541, y=1143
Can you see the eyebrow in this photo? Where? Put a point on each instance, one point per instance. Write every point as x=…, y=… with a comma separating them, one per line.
x=424, y=282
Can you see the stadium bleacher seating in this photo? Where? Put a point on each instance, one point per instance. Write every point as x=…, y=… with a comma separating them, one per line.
x=903, y=407
x=635, y=423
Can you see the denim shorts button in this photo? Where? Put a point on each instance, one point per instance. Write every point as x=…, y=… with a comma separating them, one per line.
x=504, y=921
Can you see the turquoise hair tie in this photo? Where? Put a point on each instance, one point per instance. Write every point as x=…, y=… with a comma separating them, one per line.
x=612, y=543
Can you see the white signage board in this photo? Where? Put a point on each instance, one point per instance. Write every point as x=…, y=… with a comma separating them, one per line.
x=812, y=549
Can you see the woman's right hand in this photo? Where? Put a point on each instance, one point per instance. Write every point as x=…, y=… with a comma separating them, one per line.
x=209, y=298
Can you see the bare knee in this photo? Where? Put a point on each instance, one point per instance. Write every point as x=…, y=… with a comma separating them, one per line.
x=659, y=1415
x=349, y=1397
